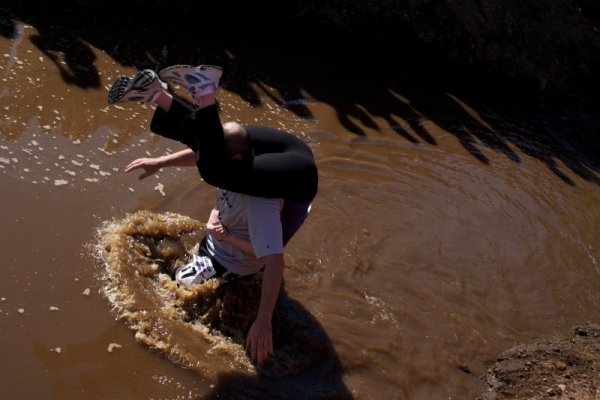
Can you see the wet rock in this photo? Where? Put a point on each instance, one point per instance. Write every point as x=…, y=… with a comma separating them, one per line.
x=549, y=364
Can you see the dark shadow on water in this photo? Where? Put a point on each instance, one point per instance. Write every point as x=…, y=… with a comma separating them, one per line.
x=78, y=57
x=304, y=363
x=398, y=81
x=306, y=366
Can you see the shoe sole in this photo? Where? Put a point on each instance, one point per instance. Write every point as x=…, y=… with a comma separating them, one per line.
x=125, y=85
x=119, y=89
x=186, y=75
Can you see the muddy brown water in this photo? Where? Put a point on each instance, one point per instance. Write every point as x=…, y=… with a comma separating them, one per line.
x=426, y=255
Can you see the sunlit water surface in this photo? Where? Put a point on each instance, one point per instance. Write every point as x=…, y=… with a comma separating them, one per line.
x=419, y=264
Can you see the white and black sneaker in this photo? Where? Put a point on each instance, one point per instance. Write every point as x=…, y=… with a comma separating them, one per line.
x=197, y=271
x=197, y=80
x=141, y=88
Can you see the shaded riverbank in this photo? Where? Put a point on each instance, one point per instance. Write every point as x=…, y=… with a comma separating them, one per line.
x=549, y=46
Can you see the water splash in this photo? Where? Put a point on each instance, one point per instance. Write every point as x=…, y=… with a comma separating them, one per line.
x=204, y=328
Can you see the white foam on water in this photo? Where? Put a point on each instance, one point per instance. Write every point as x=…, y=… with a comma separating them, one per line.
x=113, y=346
x=159, y=188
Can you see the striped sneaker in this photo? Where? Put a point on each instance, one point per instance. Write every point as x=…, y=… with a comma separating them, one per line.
x=142, y=87
x=196, y=271
x=197, y=80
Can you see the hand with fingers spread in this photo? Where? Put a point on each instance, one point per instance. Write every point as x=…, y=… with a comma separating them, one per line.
x=183, y=158
x=150, y=166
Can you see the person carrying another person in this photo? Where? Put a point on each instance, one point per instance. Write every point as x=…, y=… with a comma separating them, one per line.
x=266, y=180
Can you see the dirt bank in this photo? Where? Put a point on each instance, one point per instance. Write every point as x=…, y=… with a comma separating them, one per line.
x=546, y=46
x=558, y=368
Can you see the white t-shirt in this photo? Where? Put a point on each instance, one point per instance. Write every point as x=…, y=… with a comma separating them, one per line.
x=257, y=219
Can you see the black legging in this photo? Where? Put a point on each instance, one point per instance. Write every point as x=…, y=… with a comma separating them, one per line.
x=282, y=166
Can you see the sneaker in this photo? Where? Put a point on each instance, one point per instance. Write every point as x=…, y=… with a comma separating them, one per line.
x=197, y=80
x=142, y=87
x=196, y=271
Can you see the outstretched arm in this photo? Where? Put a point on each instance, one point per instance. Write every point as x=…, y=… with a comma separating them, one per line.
x=260, y=337
x=183, y=158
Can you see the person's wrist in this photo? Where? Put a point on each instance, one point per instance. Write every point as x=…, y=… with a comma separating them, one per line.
x=264, y=318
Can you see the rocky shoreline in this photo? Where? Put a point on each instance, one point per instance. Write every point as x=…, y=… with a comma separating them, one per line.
x=559, y=368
